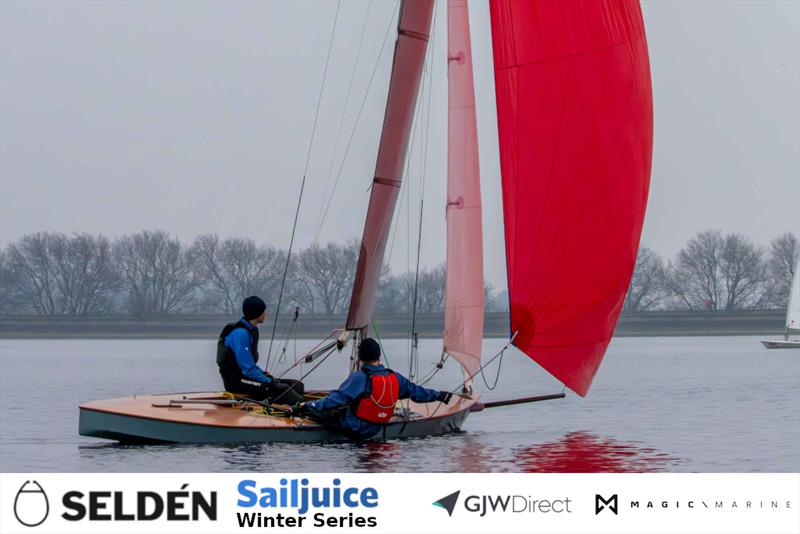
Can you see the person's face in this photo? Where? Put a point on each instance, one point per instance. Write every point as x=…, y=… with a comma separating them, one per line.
x=261, y=318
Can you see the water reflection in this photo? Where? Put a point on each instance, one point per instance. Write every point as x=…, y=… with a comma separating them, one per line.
x=583, y=452
x=463, y=452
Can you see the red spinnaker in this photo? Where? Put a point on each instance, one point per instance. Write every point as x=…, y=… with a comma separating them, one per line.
x=409, y=57
x=575, y=123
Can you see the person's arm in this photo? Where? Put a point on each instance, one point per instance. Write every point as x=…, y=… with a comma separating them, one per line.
x=351, y=388
x=410, y=390
x=239, y=342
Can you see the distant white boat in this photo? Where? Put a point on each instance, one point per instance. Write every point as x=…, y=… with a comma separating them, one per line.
x=792, y=319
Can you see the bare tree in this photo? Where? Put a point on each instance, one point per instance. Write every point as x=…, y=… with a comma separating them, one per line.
x=744, y=273
x=156, y=272
x=327, y=273
x=695, y=277
x=236, y=268
x=781, y=267
x=430, y=289
x=30, y=260
x=11, y=298
x=649, y=283
x=716, y=272
x=389, y=298
x=85, y=273
x=60, y=275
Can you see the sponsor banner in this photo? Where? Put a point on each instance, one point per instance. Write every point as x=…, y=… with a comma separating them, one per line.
x=390, y=503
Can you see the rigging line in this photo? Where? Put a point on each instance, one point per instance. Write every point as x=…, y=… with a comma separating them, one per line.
x=407, y=180
x=355, y=124
x=288, y=336
x=497, y=376
x=303, y=183
x=319, y=348
x=438, y=367
x=378, y=336
x=341, y=119
x=480, y=369
x=426, y=128
x=303, y=377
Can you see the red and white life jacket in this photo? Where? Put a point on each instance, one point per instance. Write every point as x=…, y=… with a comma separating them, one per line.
x=378, y=402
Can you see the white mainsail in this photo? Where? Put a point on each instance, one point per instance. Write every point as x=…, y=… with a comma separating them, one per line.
x=793, y=311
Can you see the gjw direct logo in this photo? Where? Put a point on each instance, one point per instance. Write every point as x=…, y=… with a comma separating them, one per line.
x=32, y=505
x=512, y=504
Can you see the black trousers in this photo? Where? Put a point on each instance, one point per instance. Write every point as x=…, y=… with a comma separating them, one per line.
x=280, y=390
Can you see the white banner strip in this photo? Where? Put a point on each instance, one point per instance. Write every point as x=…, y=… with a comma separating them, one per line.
x=393, y=503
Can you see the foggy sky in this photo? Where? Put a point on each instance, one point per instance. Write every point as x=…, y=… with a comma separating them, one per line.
x=196, y=118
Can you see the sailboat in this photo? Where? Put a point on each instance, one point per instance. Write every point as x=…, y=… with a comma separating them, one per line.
x=575, y=123
x=792, y=319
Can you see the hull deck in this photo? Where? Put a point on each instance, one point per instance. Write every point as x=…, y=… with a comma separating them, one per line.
x=781, y=344
x=151, y=419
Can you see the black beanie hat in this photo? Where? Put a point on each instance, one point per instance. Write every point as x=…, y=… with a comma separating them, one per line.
x=369, y=350
x=253, y=307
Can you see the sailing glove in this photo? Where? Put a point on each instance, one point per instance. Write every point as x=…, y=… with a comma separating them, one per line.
x=299, y=410
x=444, y=396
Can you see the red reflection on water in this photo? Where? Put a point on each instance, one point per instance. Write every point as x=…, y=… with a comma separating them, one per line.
x=581, y=452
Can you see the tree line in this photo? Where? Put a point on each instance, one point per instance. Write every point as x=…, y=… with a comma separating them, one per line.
x=152, y=273
x=715, y=272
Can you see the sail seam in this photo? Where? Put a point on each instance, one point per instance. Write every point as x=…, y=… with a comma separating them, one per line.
x=567, y=56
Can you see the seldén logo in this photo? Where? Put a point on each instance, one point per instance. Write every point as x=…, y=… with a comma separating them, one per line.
x=31, y=506
x=448, y=503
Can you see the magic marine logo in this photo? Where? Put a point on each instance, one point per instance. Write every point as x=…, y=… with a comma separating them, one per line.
x=287, y=504
x=512, y=504
x=613, y=504
x=601, y=503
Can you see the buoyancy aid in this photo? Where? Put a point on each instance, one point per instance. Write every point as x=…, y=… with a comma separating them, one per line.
x=226, y=358
x=377, y=403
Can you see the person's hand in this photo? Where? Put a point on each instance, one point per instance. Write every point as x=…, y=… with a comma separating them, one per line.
x=299, y=410
x=444, y=396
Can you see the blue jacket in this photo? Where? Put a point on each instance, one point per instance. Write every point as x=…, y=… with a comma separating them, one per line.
x=356, y=385
x=240, y=341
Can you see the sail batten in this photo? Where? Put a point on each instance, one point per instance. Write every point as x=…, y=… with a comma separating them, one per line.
x=413, y=31
x=463, y=313
x=574, y=109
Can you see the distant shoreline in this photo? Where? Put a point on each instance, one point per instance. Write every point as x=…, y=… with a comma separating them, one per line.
x=768, y=323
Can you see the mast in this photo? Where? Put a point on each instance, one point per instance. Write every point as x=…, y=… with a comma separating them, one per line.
x=463, y=312
x=575, y=126
x=413, y=30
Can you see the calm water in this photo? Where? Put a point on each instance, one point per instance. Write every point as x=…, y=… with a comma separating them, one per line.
x=657, y=404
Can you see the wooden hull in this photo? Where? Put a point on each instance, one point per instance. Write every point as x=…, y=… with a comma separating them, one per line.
x=150, y=419
x=781, y=344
